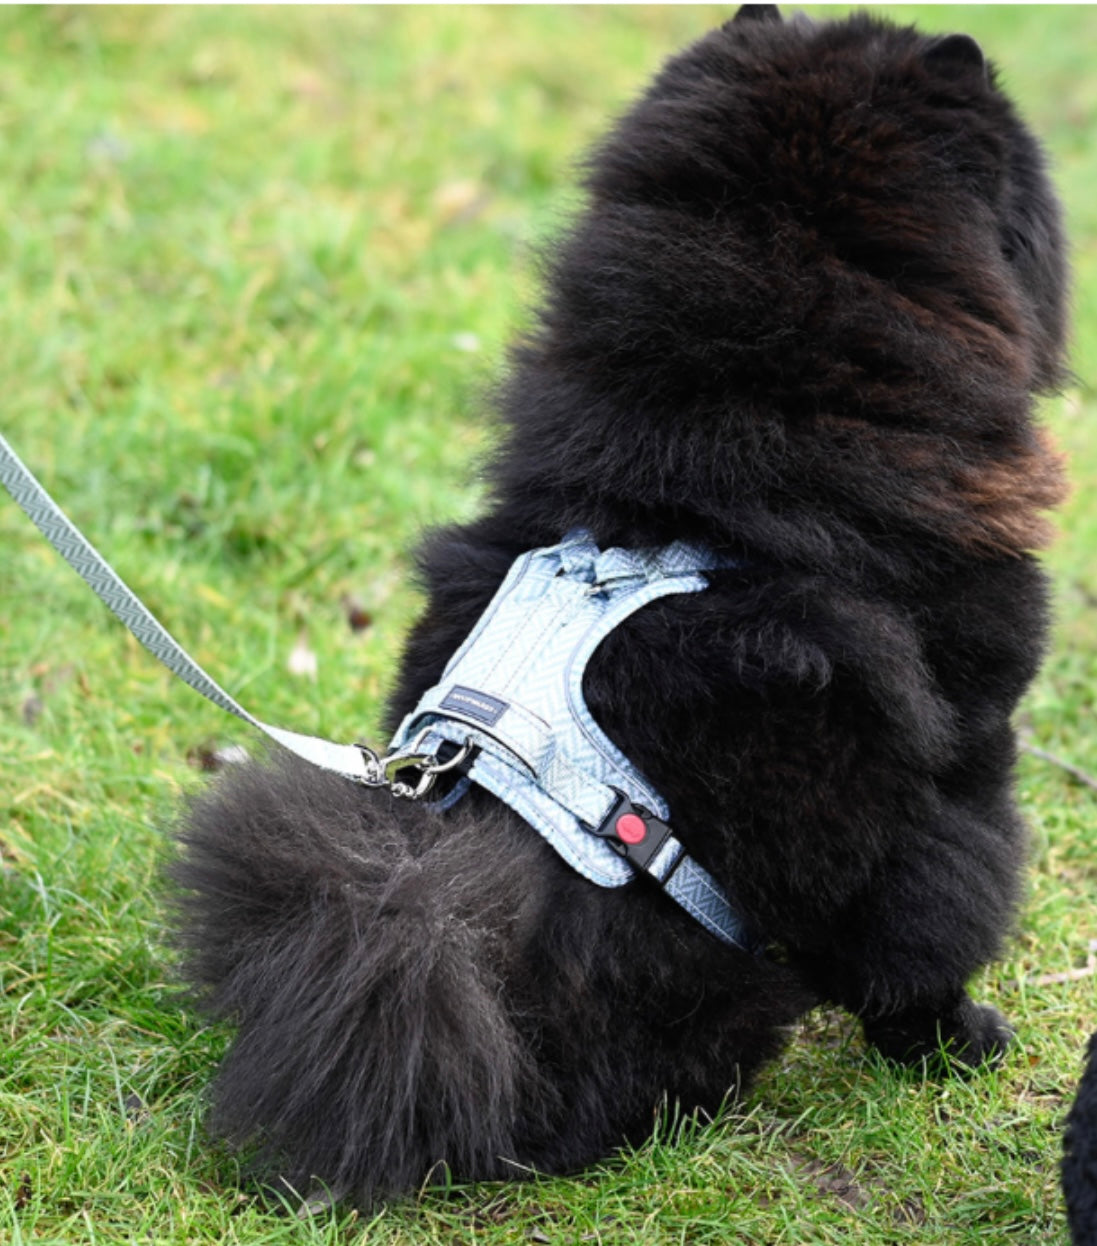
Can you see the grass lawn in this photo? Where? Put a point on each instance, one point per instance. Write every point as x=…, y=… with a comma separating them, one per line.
x=258, y=267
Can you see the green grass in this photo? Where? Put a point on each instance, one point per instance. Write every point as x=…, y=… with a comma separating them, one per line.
x=257, y=267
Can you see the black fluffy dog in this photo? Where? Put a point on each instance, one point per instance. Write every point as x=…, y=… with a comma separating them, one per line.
x=1080, y=1157
x=801, y=321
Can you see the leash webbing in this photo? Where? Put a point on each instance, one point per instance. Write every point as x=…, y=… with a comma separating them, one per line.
x=103, y=580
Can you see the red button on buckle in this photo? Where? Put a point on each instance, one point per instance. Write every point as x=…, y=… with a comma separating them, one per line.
x=630, y=828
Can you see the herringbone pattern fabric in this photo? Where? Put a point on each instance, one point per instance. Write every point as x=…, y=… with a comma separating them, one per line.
x=514, y=689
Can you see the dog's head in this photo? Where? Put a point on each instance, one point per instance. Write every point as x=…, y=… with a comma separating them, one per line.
x=819, y=261
x=861, y=144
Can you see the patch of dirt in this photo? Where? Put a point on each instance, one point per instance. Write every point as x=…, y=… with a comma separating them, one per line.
x=835, y=1181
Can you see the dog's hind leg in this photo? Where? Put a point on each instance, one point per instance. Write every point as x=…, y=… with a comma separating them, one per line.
x=900, y=953
x=970, y=1033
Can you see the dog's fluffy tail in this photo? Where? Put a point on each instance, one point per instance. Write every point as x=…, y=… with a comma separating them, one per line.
x=355, y=948
x=1080, y=1157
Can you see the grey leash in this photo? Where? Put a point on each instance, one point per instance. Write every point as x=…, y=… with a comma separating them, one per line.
x=354, y=761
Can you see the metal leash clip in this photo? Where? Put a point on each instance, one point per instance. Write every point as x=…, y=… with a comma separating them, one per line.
x=375, y=770
x=385, y=771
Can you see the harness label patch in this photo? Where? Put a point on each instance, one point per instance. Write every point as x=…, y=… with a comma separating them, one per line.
x=479, y=705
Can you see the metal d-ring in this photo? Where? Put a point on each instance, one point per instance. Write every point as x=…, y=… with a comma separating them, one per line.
x=440, y=767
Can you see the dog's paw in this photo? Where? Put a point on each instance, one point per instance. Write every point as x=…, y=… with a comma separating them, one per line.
x=982, y=1039
x=966, y=1037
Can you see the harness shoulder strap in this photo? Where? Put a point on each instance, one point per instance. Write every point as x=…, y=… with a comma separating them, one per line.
x=514, y=688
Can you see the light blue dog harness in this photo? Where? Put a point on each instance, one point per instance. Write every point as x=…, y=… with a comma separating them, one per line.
x=511, y=698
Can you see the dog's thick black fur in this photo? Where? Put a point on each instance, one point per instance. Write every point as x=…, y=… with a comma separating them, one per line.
x=1080, y=1157
x=801, y=320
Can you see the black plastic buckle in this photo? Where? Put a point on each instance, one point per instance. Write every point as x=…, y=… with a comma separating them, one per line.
x=633, y=832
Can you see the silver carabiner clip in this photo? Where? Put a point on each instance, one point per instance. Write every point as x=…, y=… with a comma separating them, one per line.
x=427, y=764
x=395, y=762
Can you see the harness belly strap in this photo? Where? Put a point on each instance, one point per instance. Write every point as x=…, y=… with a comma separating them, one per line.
x=513, y=691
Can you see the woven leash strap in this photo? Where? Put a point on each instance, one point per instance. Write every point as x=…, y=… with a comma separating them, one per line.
x=105, y=583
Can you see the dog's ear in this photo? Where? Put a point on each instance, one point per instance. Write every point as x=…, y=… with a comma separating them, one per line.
x=956, y=56
x=756, y=13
